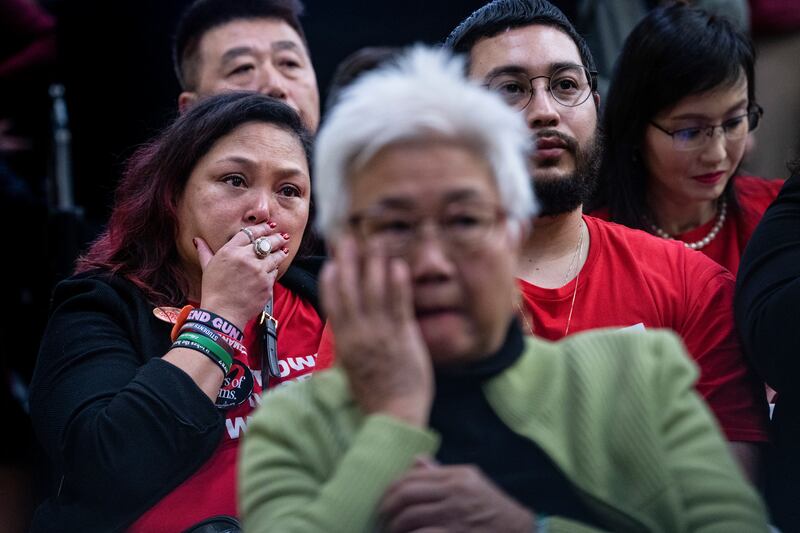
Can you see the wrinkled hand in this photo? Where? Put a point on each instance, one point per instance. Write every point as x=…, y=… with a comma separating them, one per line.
x=435, y=498
x=368, y=300
x=236, y=282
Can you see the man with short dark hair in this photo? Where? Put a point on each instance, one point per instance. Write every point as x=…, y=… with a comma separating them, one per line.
x=578, y=272
x=255, y=45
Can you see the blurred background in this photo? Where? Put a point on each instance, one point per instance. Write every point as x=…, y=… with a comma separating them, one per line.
x=82, y=84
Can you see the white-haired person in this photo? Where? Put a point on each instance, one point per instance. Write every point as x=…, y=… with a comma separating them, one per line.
x=441, y=415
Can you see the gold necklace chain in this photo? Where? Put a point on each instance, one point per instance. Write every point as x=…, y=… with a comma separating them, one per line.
x=575, y=262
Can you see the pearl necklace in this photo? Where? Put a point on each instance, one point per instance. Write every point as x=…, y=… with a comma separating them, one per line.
x=702, y=243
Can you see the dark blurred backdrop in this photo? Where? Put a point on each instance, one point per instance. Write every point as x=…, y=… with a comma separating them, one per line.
x=116, y=67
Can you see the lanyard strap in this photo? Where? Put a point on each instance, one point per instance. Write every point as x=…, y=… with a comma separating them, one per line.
x=269, y=355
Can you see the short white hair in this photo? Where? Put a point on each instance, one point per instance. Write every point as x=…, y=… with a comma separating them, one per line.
x=424, y=94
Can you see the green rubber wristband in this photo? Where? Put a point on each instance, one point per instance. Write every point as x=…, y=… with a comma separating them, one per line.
x=210, y=345
x=191, y=345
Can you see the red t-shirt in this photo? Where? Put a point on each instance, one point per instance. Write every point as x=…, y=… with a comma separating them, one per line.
x=631, y=278
x=211, y=491
x=754, y=195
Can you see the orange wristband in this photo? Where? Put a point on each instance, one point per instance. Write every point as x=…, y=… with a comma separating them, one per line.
x=176, y=328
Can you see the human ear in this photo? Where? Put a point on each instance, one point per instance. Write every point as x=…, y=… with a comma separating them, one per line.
x=186, y=100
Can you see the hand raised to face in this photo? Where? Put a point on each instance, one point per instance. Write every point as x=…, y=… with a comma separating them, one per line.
x=368, y=300
x=432, y=497
x=236, y=281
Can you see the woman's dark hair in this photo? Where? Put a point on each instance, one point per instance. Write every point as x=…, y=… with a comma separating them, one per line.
x=674, y=52
x=139, y=241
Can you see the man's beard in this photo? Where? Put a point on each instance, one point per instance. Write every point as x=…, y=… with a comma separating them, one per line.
x=567, y=193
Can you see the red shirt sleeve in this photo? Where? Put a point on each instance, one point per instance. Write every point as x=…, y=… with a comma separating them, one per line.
x=726, y=382
x=326, y=354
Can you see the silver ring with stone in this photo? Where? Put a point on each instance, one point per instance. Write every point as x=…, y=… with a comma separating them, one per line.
x=249, y=233
x=262, y=247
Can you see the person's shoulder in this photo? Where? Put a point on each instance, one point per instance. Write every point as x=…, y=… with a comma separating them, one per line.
x=97, y=284
x=103, y=301
x=602, y=363
x=611, y=342
x=650, y=253
x=610, y=346
x=618, y=235
x=758, y=187
x=649, y=249
x=756, y=194
x=620, y=353
x=97, y=276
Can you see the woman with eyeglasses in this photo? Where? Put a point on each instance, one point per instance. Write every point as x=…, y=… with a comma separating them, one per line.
x=679, y=110
x=441, y=414
x=183, y=313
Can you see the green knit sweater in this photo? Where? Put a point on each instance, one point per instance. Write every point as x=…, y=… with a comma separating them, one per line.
x=615, y=411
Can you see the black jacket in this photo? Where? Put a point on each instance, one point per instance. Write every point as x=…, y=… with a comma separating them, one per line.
x=767, y=303
x=121, y=426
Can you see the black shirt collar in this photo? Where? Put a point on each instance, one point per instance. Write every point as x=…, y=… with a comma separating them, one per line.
x=488, y=367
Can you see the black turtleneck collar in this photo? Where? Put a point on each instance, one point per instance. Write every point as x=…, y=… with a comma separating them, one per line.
x=472, y=433
x=490, y=366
